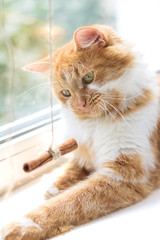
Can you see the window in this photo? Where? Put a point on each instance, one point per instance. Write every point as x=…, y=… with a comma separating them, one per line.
x=24, y=96
x=25, y=104
x=25, y=39
x=22, y=141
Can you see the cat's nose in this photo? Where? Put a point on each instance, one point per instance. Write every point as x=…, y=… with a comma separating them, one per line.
x=81, y=105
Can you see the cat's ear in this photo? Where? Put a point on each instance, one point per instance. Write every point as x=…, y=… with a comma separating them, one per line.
x=40, y=66
x=87, y=36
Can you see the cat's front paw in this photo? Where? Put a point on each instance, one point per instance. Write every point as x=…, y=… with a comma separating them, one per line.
x=24, y=229
x=52, y=191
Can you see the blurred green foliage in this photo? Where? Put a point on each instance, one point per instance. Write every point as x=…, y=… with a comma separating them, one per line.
x=24, y=34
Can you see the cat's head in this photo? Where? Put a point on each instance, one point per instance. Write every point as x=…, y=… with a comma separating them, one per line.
x=85, y=68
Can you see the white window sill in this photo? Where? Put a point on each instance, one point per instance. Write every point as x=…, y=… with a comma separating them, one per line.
x=25, y=147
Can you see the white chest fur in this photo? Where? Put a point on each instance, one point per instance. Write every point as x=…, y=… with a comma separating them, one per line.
x=110, y=139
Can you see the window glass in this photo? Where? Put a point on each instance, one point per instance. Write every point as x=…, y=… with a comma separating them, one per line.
x=24, y=38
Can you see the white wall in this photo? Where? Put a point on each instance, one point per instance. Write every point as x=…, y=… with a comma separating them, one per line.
x=139, y=22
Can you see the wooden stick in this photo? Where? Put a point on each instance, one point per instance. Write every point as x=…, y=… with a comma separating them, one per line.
x=50, y=155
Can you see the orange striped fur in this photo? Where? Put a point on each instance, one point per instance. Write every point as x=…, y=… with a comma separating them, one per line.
x=115, y=120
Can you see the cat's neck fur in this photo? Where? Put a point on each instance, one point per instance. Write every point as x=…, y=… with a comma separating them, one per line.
x=106, y=137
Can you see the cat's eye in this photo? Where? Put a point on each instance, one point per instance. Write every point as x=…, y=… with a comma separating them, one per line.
x=88, y=78
x=66, y=93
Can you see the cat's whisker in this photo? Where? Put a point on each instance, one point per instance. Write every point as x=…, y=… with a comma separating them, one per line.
x=25, y=93
x=84, y=66
x=115, y=97
x=73, y=67
x=116, y=110
x=104, y=94
x=72, y=72
x=57, y=88
x=80, y=67
x=125, y=98
x=66, y=75
x=105, y=107
x=101, y=108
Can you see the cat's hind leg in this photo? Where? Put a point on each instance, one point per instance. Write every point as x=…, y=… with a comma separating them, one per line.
x=71, y=175
x=96, y=196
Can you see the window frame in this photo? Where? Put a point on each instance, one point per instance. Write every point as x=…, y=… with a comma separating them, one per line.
x=29, y=137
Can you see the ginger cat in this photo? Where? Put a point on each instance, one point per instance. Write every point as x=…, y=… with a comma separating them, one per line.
x=110, y=104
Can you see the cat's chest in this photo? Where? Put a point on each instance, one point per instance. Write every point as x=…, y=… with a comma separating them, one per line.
x=100, y=140
x=97, y=141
